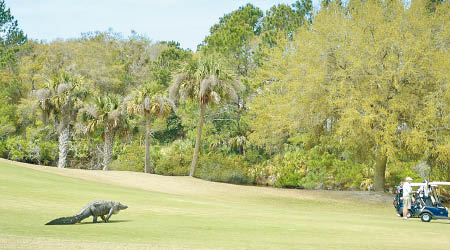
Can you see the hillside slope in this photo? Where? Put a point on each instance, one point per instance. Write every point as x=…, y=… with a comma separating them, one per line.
x=187, y=213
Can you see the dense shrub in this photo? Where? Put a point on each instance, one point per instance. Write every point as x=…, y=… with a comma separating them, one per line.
x=85, y=153
x=42, y=144
x=17, y=149
x=223, y=168
x=348, y=175
x=131, y=158
x=298, y=168
x=31, y=151
x=38, y=145
x=3, y=149
x=175, y=159
x=48, y=152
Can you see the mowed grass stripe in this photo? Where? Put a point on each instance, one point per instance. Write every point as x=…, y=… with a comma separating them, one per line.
x=159, y=220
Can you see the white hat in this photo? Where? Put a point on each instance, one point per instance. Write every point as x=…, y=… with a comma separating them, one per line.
x=409, y=178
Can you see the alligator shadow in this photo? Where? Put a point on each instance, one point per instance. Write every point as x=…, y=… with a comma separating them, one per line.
x=101, y=222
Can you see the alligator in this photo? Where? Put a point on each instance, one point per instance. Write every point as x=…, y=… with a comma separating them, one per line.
x=95, y=209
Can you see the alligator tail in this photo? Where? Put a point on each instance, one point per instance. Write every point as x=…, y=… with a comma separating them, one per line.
x=65, y=220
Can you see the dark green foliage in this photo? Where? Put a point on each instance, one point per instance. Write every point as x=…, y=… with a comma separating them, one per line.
x=11, y=37
x=16, y=149
x=168, y=61
x=174, y=130
x=42, y=144
x=233, y=30
x=283, y=20
x=175, y=158
x=315, y=168
x=130, y=158
x=38, y=146
x=223, y=168
x=231, y=37
x=48, y=152
x=7, y=118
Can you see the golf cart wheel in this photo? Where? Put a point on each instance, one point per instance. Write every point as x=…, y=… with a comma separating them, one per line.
x=425, y=217
x=408, y=214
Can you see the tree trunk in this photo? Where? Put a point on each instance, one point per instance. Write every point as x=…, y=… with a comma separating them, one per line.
x=379, y=174
x=107, y=148
x=63, y=143
x=197, y=140
x=148, y=167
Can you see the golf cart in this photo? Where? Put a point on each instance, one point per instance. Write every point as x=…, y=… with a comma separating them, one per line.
x=426, y=203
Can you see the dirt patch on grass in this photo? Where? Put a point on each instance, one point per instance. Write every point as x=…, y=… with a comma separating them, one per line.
x=184, y=185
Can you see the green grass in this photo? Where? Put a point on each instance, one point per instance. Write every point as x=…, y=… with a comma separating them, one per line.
x=30, y=198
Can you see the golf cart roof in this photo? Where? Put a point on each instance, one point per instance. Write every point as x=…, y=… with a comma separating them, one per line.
x=432, y=183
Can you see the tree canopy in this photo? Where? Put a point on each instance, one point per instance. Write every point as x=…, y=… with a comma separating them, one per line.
x=352, y=95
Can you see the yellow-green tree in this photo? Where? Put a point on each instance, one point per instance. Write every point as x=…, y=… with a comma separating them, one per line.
x=371, y=74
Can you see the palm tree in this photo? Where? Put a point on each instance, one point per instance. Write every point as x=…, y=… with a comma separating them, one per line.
x=149, y=101
x=206, y=81
x=108, y=114
x=61, y=100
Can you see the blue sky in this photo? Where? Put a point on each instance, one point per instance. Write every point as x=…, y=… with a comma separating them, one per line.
x=187, y=22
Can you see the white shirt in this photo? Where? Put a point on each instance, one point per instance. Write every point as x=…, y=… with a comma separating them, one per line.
x=406, y=189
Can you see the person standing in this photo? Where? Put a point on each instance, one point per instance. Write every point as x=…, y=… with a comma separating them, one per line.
x=399, y=198
x=407, y=191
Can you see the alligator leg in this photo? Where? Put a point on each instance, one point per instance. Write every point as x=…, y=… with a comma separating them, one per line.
x=95, y=219
x=103, y=218
x=109, y=214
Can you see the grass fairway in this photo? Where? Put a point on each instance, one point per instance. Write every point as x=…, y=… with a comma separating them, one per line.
x=186, y=213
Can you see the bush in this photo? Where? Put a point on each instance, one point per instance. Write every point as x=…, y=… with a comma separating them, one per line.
x=223, y=168
x=35, y=149
x=3, y=149
x=17, y=149
x=298, y=168
x=48, y=152
x=347, y=175
x=175, y=159
x=131, y=158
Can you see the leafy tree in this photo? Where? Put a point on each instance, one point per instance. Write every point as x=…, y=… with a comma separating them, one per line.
x=365, y=77
x=231, y=37
x=168, y=61
x=149, y=102
x=138, y=55
x=284, y=20
x=11, y=90
x=11, y=37
x=206, y=81
x=100, y=57
x=61, y=100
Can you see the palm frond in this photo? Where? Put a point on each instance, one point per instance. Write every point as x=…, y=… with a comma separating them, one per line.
x=63, y=88
x=91, y=110
x=215, y=96
x=43, y=94
x=232, y=93
x=175, y=87
x=205, y=86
